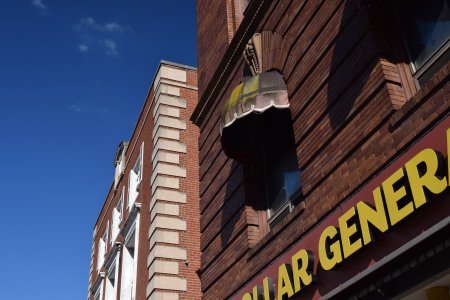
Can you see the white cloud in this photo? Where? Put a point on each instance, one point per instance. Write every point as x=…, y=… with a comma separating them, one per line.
x=39, y=4
x=83, y=48
x=75, y=108
x=86, y=24
x=113, y=27
x=95, y=36
x=84, y=109
x=100, y=110
x=111, y=47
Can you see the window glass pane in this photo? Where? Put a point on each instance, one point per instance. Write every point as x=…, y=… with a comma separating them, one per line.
x=97, y=294
x=112, y=275
x=276, y=195
x=137, y=166
x=282, y=177
x=426, y=27
x=292, y=183
x=277, y=202
x=284, y=212
x=285, y=192
x=120, y=205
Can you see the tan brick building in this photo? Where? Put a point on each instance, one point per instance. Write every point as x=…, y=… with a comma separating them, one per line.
x=324, y=129
x=146, y=238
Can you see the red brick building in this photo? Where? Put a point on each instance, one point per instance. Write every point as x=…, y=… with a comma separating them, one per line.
x=146, y=238
x=324, y=136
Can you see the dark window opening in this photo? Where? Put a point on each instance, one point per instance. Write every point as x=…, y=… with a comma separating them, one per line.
x=277, y=158
x=112, y=276
x=131, y=244
x=246, y=72
x=256, y=130
x=425, y=26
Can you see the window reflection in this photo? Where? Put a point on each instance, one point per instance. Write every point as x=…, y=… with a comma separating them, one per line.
x=279, y=158
x=426, y=31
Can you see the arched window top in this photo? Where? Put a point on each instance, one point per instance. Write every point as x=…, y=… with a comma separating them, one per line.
x=265, y=51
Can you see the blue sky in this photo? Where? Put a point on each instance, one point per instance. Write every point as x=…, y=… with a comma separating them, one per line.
x=73, y=78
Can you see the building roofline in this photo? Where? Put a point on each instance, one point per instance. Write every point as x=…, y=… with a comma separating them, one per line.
x=254, y=13
x=111, y=190
x=170, y=63
x=166, y=63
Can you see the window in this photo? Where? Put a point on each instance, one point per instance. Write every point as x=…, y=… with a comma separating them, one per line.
x=119, y=162
x=256, y=130
x=119, y=170
x=117, y=218
x=280, y=201
x=105, y=235
x=425, y=26
x=135, y=178
x=111, y=282
x=129, y=259
x=98, y=292
x=278, y=158
x=102, y=249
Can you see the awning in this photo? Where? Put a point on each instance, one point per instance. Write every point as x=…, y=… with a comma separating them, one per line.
x=241, y=128
x=256, y=94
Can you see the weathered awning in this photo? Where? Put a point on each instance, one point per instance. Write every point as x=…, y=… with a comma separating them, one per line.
x=256, y=94
x=242, y=124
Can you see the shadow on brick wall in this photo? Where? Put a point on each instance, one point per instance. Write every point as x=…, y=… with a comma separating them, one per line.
x=232, y=209
x=353, y=51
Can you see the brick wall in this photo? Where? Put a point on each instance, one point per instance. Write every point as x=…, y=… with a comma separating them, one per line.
x=344, y=88
x=168, y=244
x=212, y=36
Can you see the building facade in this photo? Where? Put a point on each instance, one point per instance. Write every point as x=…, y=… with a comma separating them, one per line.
x=146, y=239
x=323, y=149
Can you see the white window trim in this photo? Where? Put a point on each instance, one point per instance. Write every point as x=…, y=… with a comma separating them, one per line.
x=115, y=266
x=418, y=72
x=271, y=217
x=98, y=294
x=102, y=242
x=133, y=188
x=133, y=231
x=117, y=217
x=106, y=234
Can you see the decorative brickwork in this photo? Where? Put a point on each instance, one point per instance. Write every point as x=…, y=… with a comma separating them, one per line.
x=353, y=109
x=165, y=213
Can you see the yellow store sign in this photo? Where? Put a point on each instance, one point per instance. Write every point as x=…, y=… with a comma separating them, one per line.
x=403, y=192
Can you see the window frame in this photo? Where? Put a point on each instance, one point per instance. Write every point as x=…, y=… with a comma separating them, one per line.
x=432, y=60
x=115, y=228
x=106, y=235
x=286, y=207
x=98, y=294
x=121, y=202
x=139, y=165
x=102, y=247
x=272, y=219
x=132, y=234
x=266, y=166
x=112, y=270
